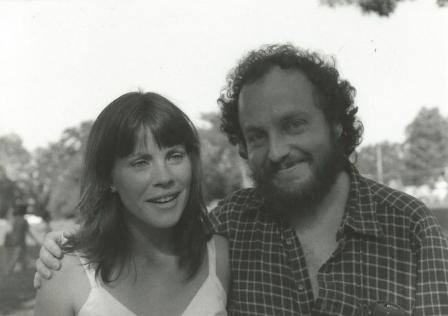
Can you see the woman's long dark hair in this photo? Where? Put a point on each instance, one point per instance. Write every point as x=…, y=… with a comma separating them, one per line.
x=103, y=238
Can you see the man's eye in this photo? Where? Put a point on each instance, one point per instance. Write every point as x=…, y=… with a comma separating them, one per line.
x=255, y=139
x=294, y=126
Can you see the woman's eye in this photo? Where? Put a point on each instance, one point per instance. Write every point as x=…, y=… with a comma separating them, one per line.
x=139, y=163
x=176, y=156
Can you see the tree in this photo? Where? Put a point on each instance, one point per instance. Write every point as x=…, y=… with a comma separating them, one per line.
x=380, y=7
x=9, y=193
x=14, y=158
x=222, y=167
x=57, y=172
x=15, y=169
x=426, y=147
x=382, y=162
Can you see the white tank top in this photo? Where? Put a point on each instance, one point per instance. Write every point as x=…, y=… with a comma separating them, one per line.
x=209, y=300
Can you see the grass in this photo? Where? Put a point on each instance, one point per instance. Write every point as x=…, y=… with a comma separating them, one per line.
x=16, y=290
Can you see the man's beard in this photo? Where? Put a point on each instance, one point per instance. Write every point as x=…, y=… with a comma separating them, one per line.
x=311, y=192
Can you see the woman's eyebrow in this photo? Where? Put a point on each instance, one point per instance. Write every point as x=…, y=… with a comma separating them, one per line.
x=140, y=154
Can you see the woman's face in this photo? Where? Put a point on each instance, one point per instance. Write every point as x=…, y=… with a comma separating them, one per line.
x=153, y=183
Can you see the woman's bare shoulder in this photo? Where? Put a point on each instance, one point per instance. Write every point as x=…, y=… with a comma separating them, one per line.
x=66, y=291
x=71, y=269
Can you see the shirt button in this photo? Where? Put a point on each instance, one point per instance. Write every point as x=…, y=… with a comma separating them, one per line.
x=301, y=287
x=289, y=242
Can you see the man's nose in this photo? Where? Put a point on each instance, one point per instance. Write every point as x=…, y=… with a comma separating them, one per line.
x=278, y=148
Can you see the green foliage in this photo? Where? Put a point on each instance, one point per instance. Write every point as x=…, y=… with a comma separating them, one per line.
x=421, y=159
x=15, y=170
x=382, y=8
x=49, y=177
x=426, y=147
x=222, y=166
x=391, y=155
x=9, y=193
x=58, y=169
x=14, y=158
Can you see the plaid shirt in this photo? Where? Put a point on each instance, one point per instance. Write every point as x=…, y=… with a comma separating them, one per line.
x=390, y=248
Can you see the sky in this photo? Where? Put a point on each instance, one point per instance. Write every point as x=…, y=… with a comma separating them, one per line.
x=62, y=62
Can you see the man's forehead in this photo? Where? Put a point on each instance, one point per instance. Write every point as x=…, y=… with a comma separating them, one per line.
x=277, y=83
x=276, y=116
x=279, y=92
x=277, y=74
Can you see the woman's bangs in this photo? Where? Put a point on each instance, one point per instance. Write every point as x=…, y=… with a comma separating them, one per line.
x=125, y=143
x=168, y=131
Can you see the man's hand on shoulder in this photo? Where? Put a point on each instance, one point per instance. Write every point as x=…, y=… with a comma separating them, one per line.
x=50, y=257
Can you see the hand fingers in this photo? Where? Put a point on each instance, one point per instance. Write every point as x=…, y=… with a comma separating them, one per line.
x=53, y=242
x=63, y=237
x=42, y=272
x=36, y=281
x=48, y=260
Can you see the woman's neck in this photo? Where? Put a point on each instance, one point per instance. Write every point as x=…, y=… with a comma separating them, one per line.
x=150, y=244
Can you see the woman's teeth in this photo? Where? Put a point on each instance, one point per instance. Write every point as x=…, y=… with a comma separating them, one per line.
x=164, y=199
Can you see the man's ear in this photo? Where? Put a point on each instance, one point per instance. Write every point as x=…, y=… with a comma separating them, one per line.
x=338, y=130
x=242, y=150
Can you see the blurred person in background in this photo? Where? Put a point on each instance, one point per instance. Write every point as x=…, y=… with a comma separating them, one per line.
x=46, y=218
x=15, y=240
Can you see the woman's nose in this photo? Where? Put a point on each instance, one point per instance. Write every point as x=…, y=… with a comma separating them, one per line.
x=162, y=175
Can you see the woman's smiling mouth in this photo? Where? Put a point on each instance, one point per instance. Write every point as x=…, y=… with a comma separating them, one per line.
x=166, y=198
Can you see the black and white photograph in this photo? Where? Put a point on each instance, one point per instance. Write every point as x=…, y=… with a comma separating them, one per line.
x=203, y=158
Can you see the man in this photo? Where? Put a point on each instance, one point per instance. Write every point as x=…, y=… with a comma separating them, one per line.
x=314, y=237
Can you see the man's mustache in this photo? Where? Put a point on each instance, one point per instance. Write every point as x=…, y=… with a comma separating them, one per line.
x=272, y=167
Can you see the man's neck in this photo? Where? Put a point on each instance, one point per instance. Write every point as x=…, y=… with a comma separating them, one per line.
x=317, y=228
x=329, y=211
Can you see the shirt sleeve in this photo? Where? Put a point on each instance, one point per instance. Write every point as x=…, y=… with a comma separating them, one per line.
x=217, y=220
x=432, y=270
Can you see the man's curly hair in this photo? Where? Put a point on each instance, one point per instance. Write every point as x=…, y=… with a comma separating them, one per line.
x=335, y=95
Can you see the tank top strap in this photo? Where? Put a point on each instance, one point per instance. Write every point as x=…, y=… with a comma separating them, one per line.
x=211, y=250
x=89, y=272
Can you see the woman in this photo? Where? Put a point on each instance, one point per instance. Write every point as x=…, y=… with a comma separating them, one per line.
x=141, y=248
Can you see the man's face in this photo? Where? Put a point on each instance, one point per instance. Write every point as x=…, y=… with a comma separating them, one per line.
x=292, y=150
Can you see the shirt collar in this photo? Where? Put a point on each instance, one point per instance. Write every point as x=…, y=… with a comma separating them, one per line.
x=360, y=212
